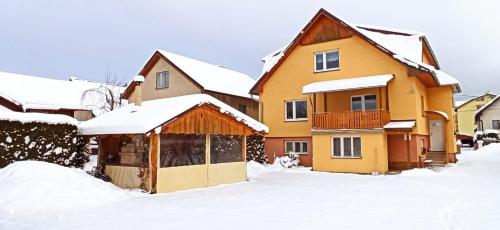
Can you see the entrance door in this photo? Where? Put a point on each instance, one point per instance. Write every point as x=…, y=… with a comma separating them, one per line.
x=437, y=135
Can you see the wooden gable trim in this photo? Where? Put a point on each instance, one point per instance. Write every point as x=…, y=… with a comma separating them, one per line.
x=10, y=105
x=206, y=119
x=257, y=88
x=147, y=68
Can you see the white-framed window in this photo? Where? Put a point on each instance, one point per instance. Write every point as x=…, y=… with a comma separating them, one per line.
x=299, y=147
x=364, y=102
x=495, y=124
x=296, y=110
x=346, y=147
x=162, y=80
x=328, y=60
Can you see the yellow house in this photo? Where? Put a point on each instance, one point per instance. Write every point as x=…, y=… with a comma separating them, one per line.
x=356, y=98
x=465, y=112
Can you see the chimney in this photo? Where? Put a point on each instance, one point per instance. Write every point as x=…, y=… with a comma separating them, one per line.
x=138, y=80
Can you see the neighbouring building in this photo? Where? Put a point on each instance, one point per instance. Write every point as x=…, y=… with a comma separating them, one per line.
x=465, y=113
x=357, y=98
x=488, y=116
x=75, y=98
x=173, y=143
x=169, y=75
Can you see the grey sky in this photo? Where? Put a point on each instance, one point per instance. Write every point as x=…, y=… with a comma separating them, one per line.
x=86, y=38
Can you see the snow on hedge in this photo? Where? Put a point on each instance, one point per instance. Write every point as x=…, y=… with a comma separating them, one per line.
x=34, y=186
x=37, y=117
x=154, y=113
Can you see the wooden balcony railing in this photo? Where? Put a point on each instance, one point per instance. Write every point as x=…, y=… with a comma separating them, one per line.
x=351, y=120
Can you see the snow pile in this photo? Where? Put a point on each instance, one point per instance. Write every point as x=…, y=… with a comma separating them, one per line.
x=91, y=164
x=255, y=170
x=288, y=161
x=37, y=117
x=154, y=113
x=418, y=172
x=33, y=186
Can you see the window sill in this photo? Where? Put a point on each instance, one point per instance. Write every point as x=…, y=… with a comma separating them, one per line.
x=161, y=88
x=297, y=153
x=347, y=158
x=326, y=70
x=295, y=120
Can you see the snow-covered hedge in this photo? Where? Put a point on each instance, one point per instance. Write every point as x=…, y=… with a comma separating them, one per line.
x=255, y=149
x=40, y=140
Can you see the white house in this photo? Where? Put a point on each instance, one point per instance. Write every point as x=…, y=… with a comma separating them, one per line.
x=488, y=116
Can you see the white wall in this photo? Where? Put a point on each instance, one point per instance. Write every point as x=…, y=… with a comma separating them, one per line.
x=491, y=113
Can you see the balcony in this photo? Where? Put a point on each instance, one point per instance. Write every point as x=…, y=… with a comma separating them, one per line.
x=351, y=120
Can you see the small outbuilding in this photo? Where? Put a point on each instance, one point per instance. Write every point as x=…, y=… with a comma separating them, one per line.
x=174, y=143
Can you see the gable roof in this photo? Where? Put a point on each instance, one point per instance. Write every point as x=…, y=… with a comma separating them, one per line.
x=486, y=106
x=29, y=92
x=207, y=77
x=459, y=104
x=403, y=46
x=152, y=114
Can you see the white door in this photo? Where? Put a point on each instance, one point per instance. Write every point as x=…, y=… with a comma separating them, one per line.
x=437, y=135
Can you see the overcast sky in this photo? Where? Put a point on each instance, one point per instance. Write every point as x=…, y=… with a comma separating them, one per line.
x=88, y=38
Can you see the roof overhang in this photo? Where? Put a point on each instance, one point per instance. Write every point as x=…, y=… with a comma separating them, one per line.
x=347, y=84
x=440, y=113
x=400, y=125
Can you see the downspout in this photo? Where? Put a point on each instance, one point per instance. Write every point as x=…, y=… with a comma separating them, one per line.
x=407, y=137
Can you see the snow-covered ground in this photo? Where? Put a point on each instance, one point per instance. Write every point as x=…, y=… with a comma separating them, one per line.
x=462, y=196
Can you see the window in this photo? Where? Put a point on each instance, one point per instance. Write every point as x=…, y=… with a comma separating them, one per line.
x=478, y=107
x=181, y=150
x=348, y=147
x=226, y=148
x=495, y=124
x=299, y=147
x=242, y=108
x=162, y=80
x=326, y=61
x=363, y=102
x=296, y=110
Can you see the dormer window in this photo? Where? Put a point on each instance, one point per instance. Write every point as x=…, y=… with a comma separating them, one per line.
x=325, y=61
x=162, y=80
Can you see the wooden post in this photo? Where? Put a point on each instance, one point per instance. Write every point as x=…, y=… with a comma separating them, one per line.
x=407, y=135
x=154, y=151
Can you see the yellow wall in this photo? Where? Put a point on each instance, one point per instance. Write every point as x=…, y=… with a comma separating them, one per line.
x=357, y=59
x=465, y=114
x=179, y=85
x=225, y=173
x=181, y=177
x=373, y=154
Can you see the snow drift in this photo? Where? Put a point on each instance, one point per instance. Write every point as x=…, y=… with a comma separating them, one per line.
x=34, y=186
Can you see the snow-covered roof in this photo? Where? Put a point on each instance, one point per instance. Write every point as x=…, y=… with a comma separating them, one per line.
x=484, y=107
x=31, y=92
x=405, y=46
x=400, y=125
x=460, y=103
x=154, y=113
x=212, y=77
x=37, y=117
x=347, y=84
